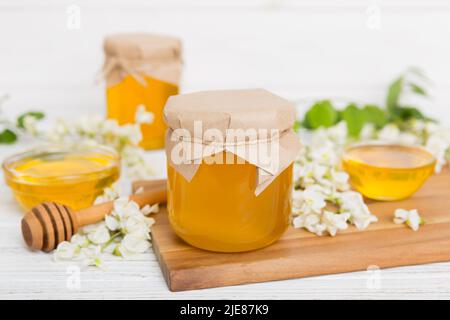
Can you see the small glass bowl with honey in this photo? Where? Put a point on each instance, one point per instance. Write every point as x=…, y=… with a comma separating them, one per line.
x=387, y=172
x=73, y=175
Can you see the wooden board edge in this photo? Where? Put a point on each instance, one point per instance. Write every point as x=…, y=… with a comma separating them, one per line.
x=162, y=264
x=283, y=268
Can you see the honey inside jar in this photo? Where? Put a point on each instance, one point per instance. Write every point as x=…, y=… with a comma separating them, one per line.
x=124, y=98
x=70, y=176
x=387, y=172
x=219, y=211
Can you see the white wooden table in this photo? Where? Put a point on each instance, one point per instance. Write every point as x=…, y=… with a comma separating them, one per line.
x=34, y=275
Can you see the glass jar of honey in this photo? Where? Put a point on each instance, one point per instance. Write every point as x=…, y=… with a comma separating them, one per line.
x=230, y=157
x=141, y=70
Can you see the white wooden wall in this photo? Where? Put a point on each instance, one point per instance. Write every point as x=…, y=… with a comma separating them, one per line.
x=300, y=49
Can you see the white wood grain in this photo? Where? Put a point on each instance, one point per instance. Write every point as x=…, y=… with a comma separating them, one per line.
x=299, y=49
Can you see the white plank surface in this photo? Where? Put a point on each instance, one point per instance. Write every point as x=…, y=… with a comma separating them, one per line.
x=300, y=49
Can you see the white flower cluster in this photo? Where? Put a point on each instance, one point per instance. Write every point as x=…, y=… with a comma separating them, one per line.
x=124, y=138
x=125, y=232
x=30, y=125
x=410, y=217
x=434, y=137
x=110, y=193
x=320, y=186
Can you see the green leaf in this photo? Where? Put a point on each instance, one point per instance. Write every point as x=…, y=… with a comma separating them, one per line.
x=408, y=113
x=355, y=119
x=417, y=89
x=394, y=92
x=297, y=125
x=321, y=114
x=8, y=136
x=375, y=115
x=36, y=114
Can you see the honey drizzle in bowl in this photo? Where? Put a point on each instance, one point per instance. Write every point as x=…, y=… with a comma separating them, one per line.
x=387, y=171
x=73, y=178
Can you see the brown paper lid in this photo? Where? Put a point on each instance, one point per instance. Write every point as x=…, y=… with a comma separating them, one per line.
x=142, y=54
x=258, y=111
x=142, y=46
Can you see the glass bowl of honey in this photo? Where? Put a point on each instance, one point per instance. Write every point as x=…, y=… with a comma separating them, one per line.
x=387, y=172
x=72, y=174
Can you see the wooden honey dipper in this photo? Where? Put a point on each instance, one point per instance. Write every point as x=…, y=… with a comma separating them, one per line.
x=48, y=224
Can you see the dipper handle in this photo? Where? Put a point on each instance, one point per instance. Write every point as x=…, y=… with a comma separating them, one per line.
x=155, y=194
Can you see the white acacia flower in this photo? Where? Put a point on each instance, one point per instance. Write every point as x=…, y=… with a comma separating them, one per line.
x=29, y=124
x=66, y=251
x=91, y=256
x=353, y=203
x=319, y=223
x=136, y=166
x=89, y=125
x=109, y=194
x=338, y=133
x=113, y=222
x=138, y=224
x=143, y=116
x=109, y=127
x=131, y=132
x=124, y=138
x=335, y=222
x=79, y=240
x=97, y=233
x=123, y=207
x=389, y=133
x=408, y=138
x=124, y=232
x=339, y=180
x=148, y=209
x=319, y=171
x=60, y=130
x=311, y=222
x=310, y=200
x=132, y=245
x=410, y=217
x=306, y=175
x=367, y=132
x=324, y=155
x=438, y=144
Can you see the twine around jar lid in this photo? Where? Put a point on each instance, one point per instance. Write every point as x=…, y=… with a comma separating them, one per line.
x=242, y=122
x=140, y=55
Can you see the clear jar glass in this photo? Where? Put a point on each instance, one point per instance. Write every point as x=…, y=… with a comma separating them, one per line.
x=219, y=211
x=124, y=98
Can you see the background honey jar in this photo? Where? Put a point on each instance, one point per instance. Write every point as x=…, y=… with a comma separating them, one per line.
x=141, y=70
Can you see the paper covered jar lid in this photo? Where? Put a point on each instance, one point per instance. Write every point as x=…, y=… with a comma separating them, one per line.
x=254, y=124
x=141, y=54
x=142, y=46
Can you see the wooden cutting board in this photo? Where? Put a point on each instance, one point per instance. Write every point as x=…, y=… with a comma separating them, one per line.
x=301, y=254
